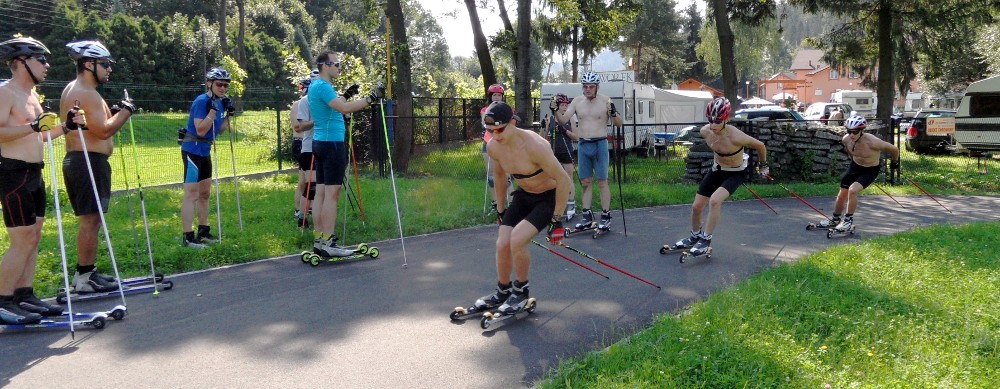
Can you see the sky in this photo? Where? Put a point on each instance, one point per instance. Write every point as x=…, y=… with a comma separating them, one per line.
x=454, y=20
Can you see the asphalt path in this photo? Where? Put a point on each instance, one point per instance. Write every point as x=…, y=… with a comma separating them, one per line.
x=374, y=323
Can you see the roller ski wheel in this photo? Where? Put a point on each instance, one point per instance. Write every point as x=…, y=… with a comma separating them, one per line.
x=577, y=230
x=687, y=254
x=490, y=318
x=811, y=226
x=93, y=320
x=305, y=256
x=373, y=252
x=464, y=313
x=833, y=232
x=669, y=248
x=599, y=232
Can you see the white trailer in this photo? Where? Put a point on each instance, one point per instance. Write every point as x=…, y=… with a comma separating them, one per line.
x=977, y=123
x=863, y=101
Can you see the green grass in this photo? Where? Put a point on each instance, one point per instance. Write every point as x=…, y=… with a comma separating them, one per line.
x=918, y=309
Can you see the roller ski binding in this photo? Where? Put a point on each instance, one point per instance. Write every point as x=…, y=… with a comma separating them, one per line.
x=318, y=255
x=585, y=224
x=682, y=244
x=518, y=306
x=485, y=304
x=702, y=248
x=824, y=224
x=129, y=286
x=603, y=226
x=845, y=227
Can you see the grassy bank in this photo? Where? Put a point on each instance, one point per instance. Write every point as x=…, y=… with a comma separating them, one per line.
x=918, y=309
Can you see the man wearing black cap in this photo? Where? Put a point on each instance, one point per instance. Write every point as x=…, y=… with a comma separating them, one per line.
x=538, y=202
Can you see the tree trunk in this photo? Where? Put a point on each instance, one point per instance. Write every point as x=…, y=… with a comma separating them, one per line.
x=726, y=43
x=403, y=133
x=503, y=15
x=885, y=82
x=576, y=60
x=482, y=50
x=223, y=44
x=241, y=55
x=522, y=81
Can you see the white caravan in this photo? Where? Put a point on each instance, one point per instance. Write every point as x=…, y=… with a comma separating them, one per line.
x=863, y=101
x=977, y=123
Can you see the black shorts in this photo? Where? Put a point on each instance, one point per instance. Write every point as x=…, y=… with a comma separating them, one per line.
x=860, y=174
x=23, y=192
x=536, y=208
x=331, y=162
x=196, y=168
x=306, y=162
x=715, y=179
x=79, y=188
x=564, y=158
x=296, y=148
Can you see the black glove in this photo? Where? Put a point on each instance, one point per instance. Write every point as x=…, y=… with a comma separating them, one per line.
x=227, y=105
x=556, y=230
x=127, y=103
x=894, y=165
x=181, y=134
x=351, y=91
x=376, y=94
x=554, y=105
x=69, y=123
x=210, y=105
x=613, y=112
x=46, y=121
x=500, y=217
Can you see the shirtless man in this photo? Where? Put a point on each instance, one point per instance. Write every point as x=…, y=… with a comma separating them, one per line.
x=539, y=201
x=593, y=111
x=302, y=125
x=22, y=190
x=727, y=174
x=93, y=68
x=865, y=150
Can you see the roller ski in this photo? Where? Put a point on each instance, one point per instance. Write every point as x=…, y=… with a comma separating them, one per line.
x=682, y=244
x=15, y=318
x=129, y=286
x=518, y=306
x=702, y=248
x=585, y=224
x=824, y=224
x=328, y=251
x=485, y=304
x=845, y=227
x=603, y=226
x=570, y=210
x=95, y=320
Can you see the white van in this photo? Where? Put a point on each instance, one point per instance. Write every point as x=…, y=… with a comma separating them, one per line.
x=977, y=123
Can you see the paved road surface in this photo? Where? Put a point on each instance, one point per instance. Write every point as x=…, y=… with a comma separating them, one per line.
x=374, y=324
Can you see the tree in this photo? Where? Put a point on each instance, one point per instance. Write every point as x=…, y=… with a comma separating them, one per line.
x=482, y=50
x=522, y=79
x=691, y=28
x=403, y=135
x=749, y=12
x=654, y=37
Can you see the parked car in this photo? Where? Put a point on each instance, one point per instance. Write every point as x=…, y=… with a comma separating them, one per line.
x=770, y=114
x=821, y=111
x=917, y=138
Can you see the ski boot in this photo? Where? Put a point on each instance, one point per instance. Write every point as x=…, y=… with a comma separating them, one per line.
x=328, y=250
x=15, y=318
x=586, y=223
x=92, y=282
x=190, y=240
x=129, y=286
x=846, y=226
x=12, y=314
x=25, y=299
x=604, y=225
x=205, y=235
x=517, y=306
x=483, y=304
x=570, y=210
x=682, y=244
x=702, y=247
x=824, y=224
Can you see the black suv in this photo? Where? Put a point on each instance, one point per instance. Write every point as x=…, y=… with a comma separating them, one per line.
x=917, y=139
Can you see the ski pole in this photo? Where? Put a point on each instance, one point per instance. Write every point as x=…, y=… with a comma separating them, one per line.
x=887, y=194
x=561, y=244
x=131, y=209
x=796, y=196
x=929, y=195
x=760, y=198
x=392, y=176
x=142, y=201
x=215, y=180
x=236, y=178
x=486, y=185
x=100, y=213
x=621, y=177
x=59, y=227
x=354, y=162
x=560, y=255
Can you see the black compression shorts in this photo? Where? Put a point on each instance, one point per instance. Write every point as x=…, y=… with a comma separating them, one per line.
x=715, y=179
x=78, y=185
x=536, y=208
x=22, y=192
x=864, y=175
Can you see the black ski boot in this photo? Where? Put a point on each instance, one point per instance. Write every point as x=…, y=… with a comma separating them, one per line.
x=588, y=220
x=10, y=313
x=205, y=235
x=518, y=299
x=25, y=299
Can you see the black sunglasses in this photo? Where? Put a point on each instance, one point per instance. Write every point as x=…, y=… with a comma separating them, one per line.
x=105, y=65
x=41, y=59
x=329, y=63
x=853, y=132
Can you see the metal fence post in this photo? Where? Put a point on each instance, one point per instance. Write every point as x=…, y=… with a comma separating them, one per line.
x=277, y=122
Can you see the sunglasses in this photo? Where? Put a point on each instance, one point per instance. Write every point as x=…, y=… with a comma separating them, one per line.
x=330, y=63
x=41, y=59
x=853, y=132
x=489, y=122
x=222, y=84
x=716, y=121
x=105, y=65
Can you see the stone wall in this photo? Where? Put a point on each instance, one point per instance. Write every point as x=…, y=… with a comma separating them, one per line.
x=796, y=151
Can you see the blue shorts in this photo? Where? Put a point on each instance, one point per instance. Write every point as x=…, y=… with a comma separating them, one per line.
x=331, y=162
x=593, y=159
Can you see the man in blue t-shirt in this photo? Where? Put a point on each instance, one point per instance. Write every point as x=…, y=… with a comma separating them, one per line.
x=328, y=110
x=205, y=123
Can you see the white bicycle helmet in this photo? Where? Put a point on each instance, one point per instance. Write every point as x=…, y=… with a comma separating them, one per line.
x=88, y=49
x=314, y=74
x=21, y=46
x=590, y=78
x=856, y=123
x=217, y=74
